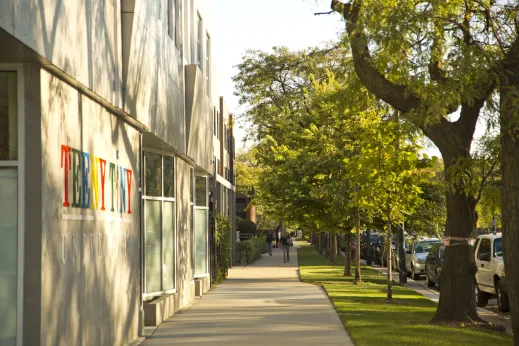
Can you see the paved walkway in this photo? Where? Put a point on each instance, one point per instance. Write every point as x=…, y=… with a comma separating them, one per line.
x=260, y=304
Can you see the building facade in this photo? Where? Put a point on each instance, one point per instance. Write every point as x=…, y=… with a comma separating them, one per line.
x=106, y=163
x=224, y=179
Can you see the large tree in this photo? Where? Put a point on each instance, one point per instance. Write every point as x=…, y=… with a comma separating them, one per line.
x=424, y=59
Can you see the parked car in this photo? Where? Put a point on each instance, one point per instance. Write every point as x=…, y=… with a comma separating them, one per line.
x=434, y=264
x=364, y=244
x=415, y=256
x=490, y=277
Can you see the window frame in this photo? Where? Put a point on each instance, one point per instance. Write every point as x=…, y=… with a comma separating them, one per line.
x=200, y=41
x=206, y=208
x=208, y=63
x=162, y=199
x=19, y=164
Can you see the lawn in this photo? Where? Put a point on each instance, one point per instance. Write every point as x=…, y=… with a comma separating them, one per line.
x=370, y=320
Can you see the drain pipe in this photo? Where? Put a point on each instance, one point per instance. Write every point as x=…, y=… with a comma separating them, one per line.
x=141, y=239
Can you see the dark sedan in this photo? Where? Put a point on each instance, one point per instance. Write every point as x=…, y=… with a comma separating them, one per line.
x=434, y=264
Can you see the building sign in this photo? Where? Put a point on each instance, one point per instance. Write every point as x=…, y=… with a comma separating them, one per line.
x=93, y=179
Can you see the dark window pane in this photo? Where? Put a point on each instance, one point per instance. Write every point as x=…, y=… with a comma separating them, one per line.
x=484, y=248
x=169, y=176
x=201, y=191
x=153, y=174
x=191, y=185
x=8, y=116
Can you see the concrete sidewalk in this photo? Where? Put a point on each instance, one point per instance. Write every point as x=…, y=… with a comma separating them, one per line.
x=264, y=303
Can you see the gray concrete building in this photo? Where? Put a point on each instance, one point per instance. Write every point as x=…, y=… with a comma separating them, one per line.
x=106, y=157
x=223, y=183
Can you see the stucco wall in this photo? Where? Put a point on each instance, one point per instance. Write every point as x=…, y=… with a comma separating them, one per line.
x=185, y=256
x=90, y=260
x=81, y=38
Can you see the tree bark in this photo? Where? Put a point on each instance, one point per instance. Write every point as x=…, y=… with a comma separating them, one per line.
x=347, y=254
x=358, y=278
x=457, y=299
x=509, y=113
x=389, y=251
x=321, y=243
x=333, y=250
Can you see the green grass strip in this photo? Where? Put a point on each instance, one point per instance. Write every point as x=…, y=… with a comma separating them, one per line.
x=370, y=320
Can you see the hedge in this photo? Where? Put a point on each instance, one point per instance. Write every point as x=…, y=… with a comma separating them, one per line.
x=252, y=249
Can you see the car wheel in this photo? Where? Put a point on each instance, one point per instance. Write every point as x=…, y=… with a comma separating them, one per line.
x=415, y=276
x=502, y=298
x=481, y=297
x=430, y=283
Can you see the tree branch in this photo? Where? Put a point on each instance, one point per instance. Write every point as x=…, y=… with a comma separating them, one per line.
x=323, y=13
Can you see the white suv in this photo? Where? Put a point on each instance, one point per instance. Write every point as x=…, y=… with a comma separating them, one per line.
x=490, y=277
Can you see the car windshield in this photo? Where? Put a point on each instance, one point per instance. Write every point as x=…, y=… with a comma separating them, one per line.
x=424, y=246
x=498, y=248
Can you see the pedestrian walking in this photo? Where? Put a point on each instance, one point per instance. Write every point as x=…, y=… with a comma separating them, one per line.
x=269, y=239
x=286, y=243
x=277, y=238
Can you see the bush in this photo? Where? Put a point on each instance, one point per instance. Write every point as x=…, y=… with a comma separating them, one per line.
x=222, y=235
x=252, y=249
x=245, y=226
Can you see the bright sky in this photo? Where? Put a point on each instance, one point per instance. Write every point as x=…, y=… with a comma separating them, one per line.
x=239, y=25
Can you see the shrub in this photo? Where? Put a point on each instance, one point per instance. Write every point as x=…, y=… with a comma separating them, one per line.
x=252, y=249
x=245, y=226
x=222, y=235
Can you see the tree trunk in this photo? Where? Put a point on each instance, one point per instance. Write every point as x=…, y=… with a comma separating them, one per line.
x=389, y=251
x=347, y=254
x=457, y=299
x=321, y=243
x=358, y=278
x=333, y=251
x=509, y=93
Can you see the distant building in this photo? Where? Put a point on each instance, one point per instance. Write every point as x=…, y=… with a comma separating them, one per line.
x=244, y=208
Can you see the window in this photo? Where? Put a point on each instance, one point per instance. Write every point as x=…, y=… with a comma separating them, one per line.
x=200, y=42
x=484, y=250
x=174, y=21
x=9, y=217
x=218, y=125
x=498, y=247
x=8, y=117
x=208, y=64
x=201, y=225
x=159, y=223
x=214, y=120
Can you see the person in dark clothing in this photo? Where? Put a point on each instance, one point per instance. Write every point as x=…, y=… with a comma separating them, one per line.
x=285, y=243
x=277, y=239
x=269, y=240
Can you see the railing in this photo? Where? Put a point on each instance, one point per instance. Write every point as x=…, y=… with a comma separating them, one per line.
x=248, y=191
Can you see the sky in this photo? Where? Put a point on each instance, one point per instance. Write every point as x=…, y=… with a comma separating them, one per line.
x=240, y=25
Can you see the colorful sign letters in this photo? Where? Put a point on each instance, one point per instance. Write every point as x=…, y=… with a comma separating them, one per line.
x=89, y=178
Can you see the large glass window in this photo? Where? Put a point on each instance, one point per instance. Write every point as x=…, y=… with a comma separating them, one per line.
x=200, y=42
x=9, y=193
x=159, y=223
x=201, y=225
x=8, y=254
